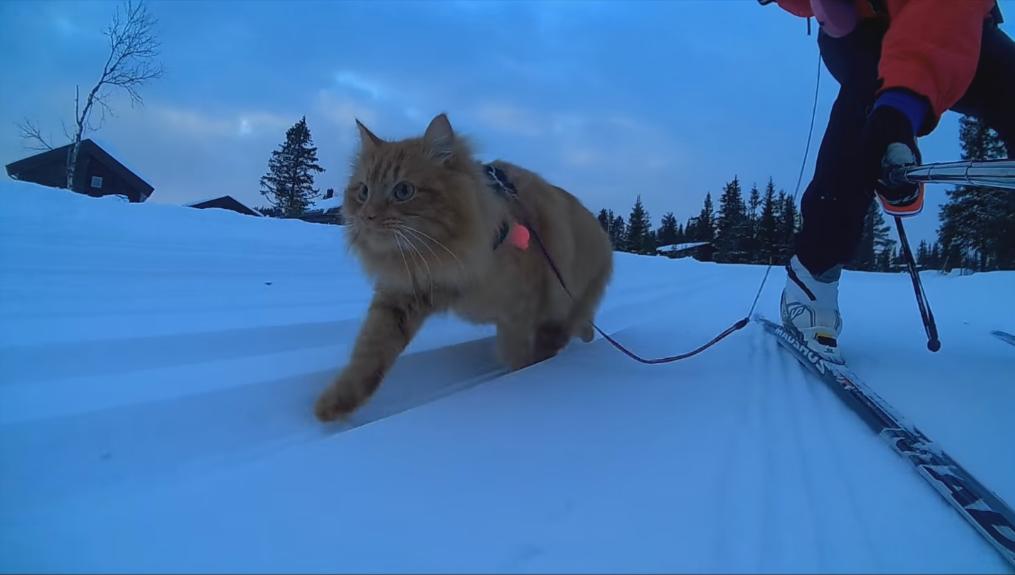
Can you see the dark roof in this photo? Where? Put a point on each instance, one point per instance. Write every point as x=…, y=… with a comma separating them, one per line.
x=87, y=147
x=226, y=203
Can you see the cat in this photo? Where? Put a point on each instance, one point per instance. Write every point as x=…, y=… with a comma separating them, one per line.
x=435, y=233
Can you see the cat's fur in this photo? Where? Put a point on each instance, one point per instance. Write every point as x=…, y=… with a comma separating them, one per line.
x=435, y=252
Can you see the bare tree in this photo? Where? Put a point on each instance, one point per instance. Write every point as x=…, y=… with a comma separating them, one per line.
x=133, y=50
x=32, y=135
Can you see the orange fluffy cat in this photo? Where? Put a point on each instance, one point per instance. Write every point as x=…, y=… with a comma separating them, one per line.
x=436, y=233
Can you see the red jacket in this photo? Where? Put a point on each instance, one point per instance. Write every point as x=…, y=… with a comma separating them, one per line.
x=931, y=47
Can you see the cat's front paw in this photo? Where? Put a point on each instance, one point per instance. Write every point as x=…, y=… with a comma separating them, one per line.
x=339, y=400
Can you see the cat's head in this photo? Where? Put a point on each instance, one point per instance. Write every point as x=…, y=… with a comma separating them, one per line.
x=412, y=194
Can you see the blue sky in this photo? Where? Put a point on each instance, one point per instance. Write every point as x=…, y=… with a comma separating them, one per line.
x=609, y=100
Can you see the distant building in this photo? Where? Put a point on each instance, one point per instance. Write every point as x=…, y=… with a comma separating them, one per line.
x=97, y=173
x=701, y=251
x=226, y=203
x=327, y=210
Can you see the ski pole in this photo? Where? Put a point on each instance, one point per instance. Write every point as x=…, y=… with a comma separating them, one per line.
x=989, y=173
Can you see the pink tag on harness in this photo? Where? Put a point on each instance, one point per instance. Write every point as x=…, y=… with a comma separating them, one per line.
x=519, y=236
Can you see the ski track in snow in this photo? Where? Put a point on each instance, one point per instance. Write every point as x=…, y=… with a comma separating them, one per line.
x=274, y=416
x=781, y=458
x=169, y=426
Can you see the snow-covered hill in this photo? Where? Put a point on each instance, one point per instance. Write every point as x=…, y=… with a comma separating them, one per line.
x=158, y=367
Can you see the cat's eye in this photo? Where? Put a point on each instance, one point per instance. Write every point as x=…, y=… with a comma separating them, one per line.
x=362, y=194
x=403, y=191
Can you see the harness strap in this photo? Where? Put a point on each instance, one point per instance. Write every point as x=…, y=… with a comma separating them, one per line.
x=500, y=184
x=502, y=233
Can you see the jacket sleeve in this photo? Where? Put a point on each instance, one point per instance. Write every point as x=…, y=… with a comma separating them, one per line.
x=931, y=48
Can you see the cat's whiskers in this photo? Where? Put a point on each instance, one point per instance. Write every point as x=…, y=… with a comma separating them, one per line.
x=426, y=264
x=425, y=236
x=398, y=242
x=425, y=244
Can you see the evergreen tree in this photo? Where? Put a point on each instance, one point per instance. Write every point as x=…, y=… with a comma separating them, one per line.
x=751, y=243
x=732, y=224
x=951, y=257
x=618, y=233
x=604, y=220
x=935, y=257
x=668, y=232
x=788, y=223
x=704, y=224
x=977, y=223
x=638, y=228
x=269, y=211
x=681, y=236
x=923, y=254
x=651, y=243
x=753, y=205
x=289, y=182
x=876, y=244
x=898, y=258
x=691, y=229
x=613, y=225
x=768, y=226
x=884, y=261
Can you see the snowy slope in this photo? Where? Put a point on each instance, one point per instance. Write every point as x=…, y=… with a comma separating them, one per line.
x=158, y=367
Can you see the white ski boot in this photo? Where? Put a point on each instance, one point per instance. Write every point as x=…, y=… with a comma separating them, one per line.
x=810, y=307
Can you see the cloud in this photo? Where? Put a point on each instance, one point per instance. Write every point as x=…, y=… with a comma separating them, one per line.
x=414, y=115
x=259, y=122
x=197, y=123
x=65, y=26
x=343, y=111
x=579, y=157
x=614, y=142
x=359, y=84
x=508, y=118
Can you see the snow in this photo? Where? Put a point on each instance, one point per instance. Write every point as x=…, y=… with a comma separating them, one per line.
x=160, y=365
x=326, y=204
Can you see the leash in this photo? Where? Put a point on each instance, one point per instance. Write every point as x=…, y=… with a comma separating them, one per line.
x=619, y=346
x=507, y=189
x=800, y=176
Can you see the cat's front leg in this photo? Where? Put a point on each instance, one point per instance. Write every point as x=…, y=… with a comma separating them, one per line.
x=390, y=325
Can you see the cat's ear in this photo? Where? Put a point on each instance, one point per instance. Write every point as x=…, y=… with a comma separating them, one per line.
x=440, y=138
x=368, y=139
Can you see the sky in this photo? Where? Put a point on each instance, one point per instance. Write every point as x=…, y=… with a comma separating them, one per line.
x=666, y=100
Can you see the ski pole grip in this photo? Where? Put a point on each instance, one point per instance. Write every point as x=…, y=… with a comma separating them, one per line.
x=897, y=176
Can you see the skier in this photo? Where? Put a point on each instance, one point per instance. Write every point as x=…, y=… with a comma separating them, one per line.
x=900, y=64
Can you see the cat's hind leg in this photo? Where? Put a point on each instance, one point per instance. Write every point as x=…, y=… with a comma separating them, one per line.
x=550, y=338
x=583, y=310
x=514, y=345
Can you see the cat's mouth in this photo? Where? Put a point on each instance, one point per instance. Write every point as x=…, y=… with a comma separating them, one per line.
x=396, y=236
x=383, y=236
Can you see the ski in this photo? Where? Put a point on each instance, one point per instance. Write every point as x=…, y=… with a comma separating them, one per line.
x=987, y=512
x=1004, y=336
